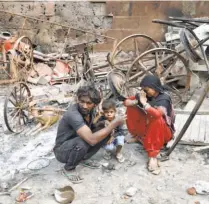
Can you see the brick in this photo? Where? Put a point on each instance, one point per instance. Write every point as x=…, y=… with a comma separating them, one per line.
x=105, y=47
x=125, y=22
x=141, y=8
x=153, y=32
x=119, y=34
x=201, y=9
x=117, y=8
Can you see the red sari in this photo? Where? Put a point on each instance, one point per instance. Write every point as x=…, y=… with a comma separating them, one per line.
x=150, y=129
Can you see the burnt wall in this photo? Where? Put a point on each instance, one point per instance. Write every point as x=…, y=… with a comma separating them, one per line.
x=113, y=18
x=84, y=15
x=131, y=17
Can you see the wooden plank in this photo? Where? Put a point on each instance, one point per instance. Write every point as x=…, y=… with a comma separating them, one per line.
x=206, y=136
x=195, y=129
x=193, y=143
x=197, y=132
x=201, y=149
x=187, y=134
x=202, y=129
x=177, y=123
x=183, y=112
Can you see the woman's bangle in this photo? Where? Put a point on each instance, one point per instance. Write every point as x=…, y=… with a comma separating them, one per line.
x=135, y=102
x=146, y=105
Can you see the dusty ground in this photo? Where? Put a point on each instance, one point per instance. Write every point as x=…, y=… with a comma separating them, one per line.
x=182, y=170
x=100, y=186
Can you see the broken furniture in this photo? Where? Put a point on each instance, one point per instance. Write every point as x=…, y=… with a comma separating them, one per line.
x=16, y=58
x=20, y=108
x=169, y=65
x=138, y=54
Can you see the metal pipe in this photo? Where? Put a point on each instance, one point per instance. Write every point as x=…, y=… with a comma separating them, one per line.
x=188, y=122
x=189, y=19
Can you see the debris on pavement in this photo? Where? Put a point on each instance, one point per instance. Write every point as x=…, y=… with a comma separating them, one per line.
x=24, y=195
x=131, y=191
x=191, y=191
x=64, y=195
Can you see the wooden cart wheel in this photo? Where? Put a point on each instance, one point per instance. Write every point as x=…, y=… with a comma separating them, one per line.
x=16, y=108
x=22, y=57
x=129, y=48
x=168, y=65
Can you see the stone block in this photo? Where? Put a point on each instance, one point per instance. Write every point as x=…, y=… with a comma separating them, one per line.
x=99, y=8
x=104, y=47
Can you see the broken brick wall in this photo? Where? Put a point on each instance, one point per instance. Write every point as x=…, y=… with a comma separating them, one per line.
x=50, y=38
x=113, y=18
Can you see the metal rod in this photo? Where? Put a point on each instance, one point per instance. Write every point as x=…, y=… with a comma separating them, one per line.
x=201, y=47
x=58, y=24
x=201, y=42
x=189, y=19
x=167, y=23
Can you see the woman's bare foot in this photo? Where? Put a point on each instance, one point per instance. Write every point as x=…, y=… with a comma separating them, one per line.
x=153, y=166
x=132, y=140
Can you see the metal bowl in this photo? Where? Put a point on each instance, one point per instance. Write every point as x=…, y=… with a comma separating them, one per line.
x=64, y=195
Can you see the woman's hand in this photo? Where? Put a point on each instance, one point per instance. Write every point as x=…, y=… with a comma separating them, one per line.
x=142, y=97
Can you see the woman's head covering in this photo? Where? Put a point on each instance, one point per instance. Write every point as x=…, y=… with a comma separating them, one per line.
x=153, y=82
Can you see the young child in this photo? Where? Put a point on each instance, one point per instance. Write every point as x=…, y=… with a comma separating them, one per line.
x=117, y=138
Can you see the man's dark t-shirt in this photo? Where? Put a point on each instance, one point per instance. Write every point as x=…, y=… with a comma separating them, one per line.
x=71, y=121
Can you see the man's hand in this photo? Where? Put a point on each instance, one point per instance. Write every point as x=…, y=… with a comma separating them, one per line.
x=110, y=140
x=129, y=102
x=142, y=97
x=119, y=120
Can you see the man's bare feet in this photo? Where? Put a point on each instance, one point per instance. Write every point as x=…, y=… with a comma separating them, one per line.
x=153, y=166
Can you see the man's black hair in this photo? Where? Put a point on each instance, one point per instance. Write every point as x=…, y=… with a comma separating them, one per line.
x=108, y=104
x=91, y=92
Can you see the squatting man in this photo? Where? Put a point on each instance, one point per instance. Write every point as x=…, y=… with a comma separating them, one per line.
x=78, y=137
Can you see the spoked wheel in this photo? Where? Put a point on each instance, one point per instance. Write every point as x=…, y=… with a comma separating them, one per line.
x=129, y=48
x=168, y=65
x=22, y=57
x=16, y=108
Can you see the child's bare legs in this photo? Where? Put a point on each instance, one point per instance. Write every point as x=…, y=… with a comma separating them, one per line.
x=119, y=143
x=118, y=149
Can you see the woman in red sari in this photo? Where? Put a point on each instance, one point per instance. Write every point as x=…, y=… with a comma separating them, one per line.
x=150, y=118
